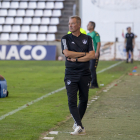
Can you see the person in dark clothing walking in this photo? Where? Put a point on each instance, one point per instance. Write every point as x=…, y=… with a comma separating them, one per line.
x=79, y=50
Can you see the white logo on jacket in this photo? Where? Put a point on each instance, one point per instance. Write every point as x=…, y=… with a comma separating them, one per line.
x=84, y=41
x=131, y=34
x=68, y=82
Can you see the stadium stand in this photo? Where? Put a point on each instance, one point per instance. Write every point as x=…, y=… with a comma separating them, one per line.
x=34, y=20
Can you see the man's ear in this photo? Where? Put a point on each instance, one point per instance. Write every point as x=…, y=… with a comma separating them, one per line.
x=79, y=24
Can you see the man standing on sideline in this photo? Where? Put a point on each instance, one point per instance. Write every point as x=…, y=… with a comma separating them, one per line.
x=129, y=43
x=78, y=50
x=94, y=62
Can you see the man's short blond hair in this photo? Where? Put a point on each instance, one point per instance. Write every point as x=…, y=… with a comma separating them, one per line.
x=77, y=18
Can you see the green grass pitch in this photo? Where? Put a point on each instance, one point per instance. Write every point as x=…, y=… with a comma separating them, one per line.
x=29, y=80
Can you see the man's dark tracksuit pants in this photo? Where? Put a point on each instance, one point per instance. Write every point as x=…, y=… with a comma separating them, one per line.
x=93, y=66
x=73, y=85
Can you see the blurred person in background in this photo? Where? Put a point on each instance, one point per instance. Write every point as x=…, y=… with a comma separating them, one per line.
x=94, y=62
x=129, y=43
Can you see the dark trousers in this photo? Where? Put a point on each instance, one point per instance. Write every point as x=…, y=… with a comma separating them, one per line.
x=72, y=86
x=93, y=66
x=129, y=48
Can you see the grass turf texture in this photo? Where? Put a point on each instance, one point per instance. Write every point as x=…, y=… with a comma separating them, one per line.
x=28, y=80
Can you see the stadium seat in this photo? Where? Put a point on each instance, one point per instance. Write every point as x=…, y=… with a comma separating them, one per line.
x=41, y=5
x=4, y=36
x=32, y=5
x=11, y=12
x=7, y=28
x=25, y=28
x=56, y=13
x=22, y=37
x=41, y=37
x=16, y=28
x=55, y=0
x=5, y=5
x=9, y=20
x=36, y=21
x=43, y=29
x=50, y=37
x=52, y=29
x=23, y=5
x=54, y=21
x=3, y=12
x=14, y=5
x=34, y=29
x=18, y=20
x=31, y=17
x=38, y=13
x=58, y=5
x=13, y=37
x=50, y=5
x=29, y=12
x=20, y=13
x=32, y=37
x=0, y=28
x=27, y=20
x=47, y=13
x=2, y=20
x=45, y=21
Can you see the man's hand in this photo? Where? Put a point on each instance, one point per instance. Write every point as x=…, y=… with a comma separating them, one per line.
x=96, y=55
x=71, y=59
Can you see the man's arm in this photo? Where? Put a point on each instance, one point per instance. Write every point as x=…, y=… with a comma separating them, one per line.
x=125, y=43
x=97, y=39
x=72, y=54
x=89, y=56
x=133, y=42
x=98, y=50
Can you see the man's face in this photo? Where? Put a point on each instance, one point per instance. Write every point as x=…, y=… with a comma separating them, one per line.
x=89, y=26
x=73, y=25
x=129, y=29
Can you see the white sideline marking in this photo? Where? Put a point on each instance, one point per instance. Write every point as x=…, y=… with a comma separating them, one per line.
x=112, y=85
x=109, y=67
x=30, y=103
x=46, y=95
x=53, y=132
x=48, y=138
